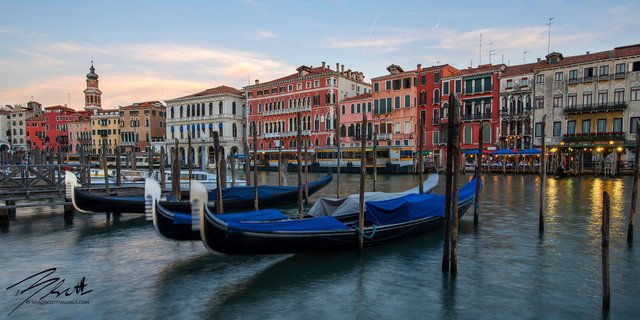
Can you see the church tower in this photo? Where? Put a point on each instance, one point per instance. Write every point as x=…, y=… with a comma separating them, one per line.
x=92, y=93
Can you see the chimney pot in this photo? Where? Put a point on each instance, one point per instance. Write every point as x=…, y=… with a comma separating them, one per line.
x=323, y=65
x=419, y=67
x=257, y=81
x=337, y=66
x=539, y=59
x=587, y=52
x=342, y=68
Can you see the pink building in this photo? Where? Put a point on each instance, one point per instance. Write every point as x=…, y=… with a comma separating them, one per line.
x=80, y=134
x=351, y=110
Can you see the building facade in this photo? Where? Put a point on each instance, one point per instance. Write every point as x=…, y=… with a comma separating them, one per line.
x=313, y=92
x=5, y=127
x=105, y=130
x=351, y=110
x=140, y=124
x=221, y=109
x=80, y=134
x=18, y=123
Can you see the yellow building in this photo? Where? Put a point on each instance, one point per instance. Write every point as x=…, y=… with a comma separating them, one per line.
x=105, y=128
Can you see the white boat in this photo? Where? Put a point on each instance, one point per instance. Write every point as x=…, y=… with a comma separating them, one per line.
x=207, y=179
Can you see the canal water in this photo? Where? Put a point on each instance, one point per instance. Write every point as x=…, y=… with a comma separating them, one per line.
x=506, y=269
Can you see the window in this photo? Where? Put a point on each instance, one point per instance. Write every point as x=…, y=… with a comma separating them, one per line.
x=620, y=68
x=436, y=116
x=486, y=133
x=397, y=102
x=539, y=103
x=604, y=71
x=540, y=78
x=635, y=66
x=308, y=85
x=538, y=129
x=572, y=100
x=388, y=84
x=358, y=108
x=299, y=86
x=376, y=87
x=587, y=99
x=458, y=86
x=633, y=121
x=603, y=97
x=290, y=88
x=406, y=83
x=468, y=86
x=376, y=107
x=422, y=98
x=316, y=83
x=524, y=82
x=557, y=101
x=436, y=77
x=573, y=74
x=435, y=137
x=388, y=105
x=618, y=97
x=396, y=84
x=407, y=127
x=467, y=134
x=445, y=88
x=635, y=94
x=436, y=96
x=617, y=124
x=368, y=107
x=383, y=106
x=588, y=73
x=602, y=125
x=220, y=108
x=397, y=128
x=352, y=109
x=328, y=85
x=510, y=84
x=586, y=126
x=423, y=79
x=559, y=76
x=571, y=127
x=407, y=101
x=557, y=128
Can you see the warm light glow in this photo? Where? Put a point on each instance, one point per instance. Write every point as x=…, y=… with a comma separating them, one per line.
x=610, y=141
x=562, y=143
x=619, y=149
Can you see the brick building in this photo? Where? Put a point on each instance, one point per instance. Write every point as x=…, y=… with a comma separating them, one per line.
x=140, y=124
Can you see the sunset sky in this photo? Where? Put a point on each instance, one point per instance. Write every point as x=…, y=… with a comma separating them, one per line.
x=158, y=50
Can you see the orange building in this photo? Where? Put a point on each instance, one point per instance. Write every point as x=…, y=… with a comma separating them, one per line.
x=140, y=123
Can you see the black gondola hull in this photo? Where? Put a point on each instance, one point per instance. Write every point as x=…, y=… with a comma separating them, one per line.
x=166, y=228
x=219, y=239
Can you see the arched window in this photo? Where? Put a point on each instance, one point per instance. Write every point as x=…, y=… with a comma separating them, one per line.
x=172, y=116
x=352, y=109
x=188, y=111
x=351, y=131
x=328, y=141
x=317, y=123
x=358, y=108
x=329, y=121
x=221, y=130
x=369, y=130
x=291, y=124
x=422, y=98
x=343, y=130
x=333, y=98
x=357, y=130
x=317, y=142
x=343, y=109
x=369, y=107
x=234, y=129
x=467, y=134
x=486, y=133
x=436, y=96
x=233, y=108
x=181, y=111
x=220, y=108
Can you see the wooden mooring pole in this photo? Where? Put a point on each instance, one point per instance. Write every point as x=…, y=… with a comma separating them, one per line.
x=299, y=166
x=255, y=170
x=118, y=176
x=446, y=246
x=232, y=165
x=337, y=143
x=634, y=193
x=478, y=175
x=306, y=171
x=543, y=177
x=363, y=174
x=455, y=149
x=175, y=172
x=162, y=167
x=420, y=156
x=104, y=166
x=189, y=157
x=606, y=290
x=280, y=163
x=247, y=159
x=216, y=146
x=375, y=160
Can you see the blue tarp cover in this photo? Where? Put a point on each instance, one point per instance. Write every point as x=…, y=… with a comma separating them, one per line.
x=311, y=224
x=413, y=206
x=260, y=215
x=264, y=192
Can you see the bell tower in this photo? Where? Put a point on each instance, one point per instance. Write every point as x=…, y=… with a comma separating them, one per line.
x=92, y=94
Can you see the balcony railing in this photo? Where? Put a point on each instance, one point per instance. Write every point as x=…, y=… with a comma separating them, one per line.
x=599, y=136
x=620, y=75
x=608, y=107
x=286, y=110
x=515, y=112
x=603, y=77
x=476, y=116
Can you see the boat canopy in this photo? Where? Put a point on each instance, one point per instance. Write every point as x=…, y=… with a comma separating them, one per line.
x=351, y=204
x=311, y=224
x=260, y=215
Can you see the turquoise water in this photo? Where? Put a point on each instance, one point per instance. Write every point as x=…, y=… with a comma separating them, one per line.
x=506, y=269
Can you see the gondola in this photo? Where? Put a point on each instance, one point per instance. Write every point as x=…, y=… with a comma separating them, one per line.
x=175, y=223
x=235, y=198
x=385, y=220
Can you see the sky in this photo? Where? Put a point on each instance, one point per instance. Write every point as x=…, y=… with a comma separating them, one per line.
x=159, y=50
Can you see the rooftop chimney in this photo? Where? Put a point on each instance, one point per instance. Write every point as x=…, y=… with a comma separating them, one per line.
x=587, y=52
x=337, y=66
x=539, y=59
x=342, y=68
x=257, y=81
x=419, y=67
x=323, y=64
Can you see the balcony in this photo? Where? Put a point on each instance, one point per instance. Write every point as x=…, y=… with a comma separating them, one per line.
x=515, y=111
x=608, y=107
x=476, y=116
x=620, y=75
x=591, y=137
x=603, y=77
x=286, y=110
x=573, y=81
